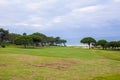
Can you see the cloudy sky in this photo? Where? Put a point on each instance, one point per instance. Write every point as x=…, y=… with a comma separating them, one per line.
x=69, y=19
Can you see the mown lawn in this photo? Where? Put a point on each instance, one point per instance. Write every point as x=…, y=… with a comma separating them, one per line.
x=59, y=63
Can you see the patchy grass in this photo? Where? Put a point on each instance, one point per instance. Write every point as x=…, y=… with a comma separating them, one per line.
x=58, y=63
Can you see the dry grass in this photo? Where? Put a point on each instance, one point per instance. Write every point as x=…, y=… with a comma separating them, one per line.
x=59, y=64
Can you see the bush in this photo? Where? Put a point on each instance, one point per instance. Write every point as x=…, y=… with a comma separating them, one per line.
x=3, y=44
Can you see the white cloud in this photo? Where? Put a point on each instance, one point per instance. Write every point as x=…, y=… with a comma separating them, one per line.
x=35, y=19
x=89, y=9
x=57, y=19
x=30, y=25
x=74, y=15
x=59, y=14
x=117, y=0
x=21, y=24
x=4, y=2
x=40, y=5
x=95, y=16
x=81, y=3
x=34, y=6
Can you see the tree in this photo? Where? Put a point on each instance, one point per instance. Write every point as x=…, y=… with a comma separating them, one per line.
x=88, y=40
x=36, y=39
x=107, y=45
x=12, y=37
x=24, y=34
x=51, y=41
x=118, y=43
x=102, y=43
x=57, y=40
x=24, y=40
x=3, y=37
x=3, y=34
x=113, y=44
x=42, y=36
x=63, y=41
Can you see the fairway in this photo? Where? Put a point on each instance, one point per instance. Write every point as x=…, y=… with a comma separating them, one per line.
x=59, y=63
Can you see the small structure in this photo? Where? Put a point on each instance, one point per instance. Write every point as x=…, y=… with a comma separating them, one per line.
x=79, y=45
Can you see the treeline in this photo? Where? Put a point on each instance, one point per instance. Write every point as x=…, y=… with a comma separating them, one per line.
x=35, y=39
x=104, y=44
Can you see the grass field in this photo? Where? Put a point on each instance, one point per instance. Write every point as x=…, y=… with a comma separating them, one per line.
x=59, y=63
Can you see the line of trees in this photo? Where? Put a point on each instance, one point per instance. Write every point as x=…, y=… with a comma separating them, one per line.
x=104, y=44
x=35, y=39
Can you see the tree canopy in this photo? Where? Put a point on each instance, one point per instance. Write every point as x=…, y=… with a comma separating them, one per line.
x=24, y=40
x=35, y=39
x=88, y=40
x=102, y=43
x=3, y=34
x=3, y=37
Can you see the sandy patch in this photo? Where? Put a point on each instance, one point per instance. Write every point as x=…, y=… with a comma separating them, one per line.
x=3, y=65
x=59, y=64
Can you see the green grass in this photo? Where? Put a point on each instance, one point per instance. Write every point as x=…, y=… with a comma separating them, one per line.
x=62, y=52
x=58, y=63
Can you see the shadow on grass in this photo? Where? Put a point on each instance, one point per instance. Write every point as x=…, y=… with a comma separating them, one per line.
x=115, y=56
x=30, y=47
x=108, y=49
x=110, y=54
x=108, y=77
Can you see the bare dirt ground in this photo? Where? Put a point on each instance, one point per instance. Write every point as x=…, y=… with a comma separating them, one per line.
x=59, y=64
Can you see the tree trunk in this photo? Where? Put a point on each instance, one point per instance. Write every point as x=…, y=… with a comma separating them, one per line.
x=64, y=44
x=25, y=46
x=103, y=47
x=89, y=45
